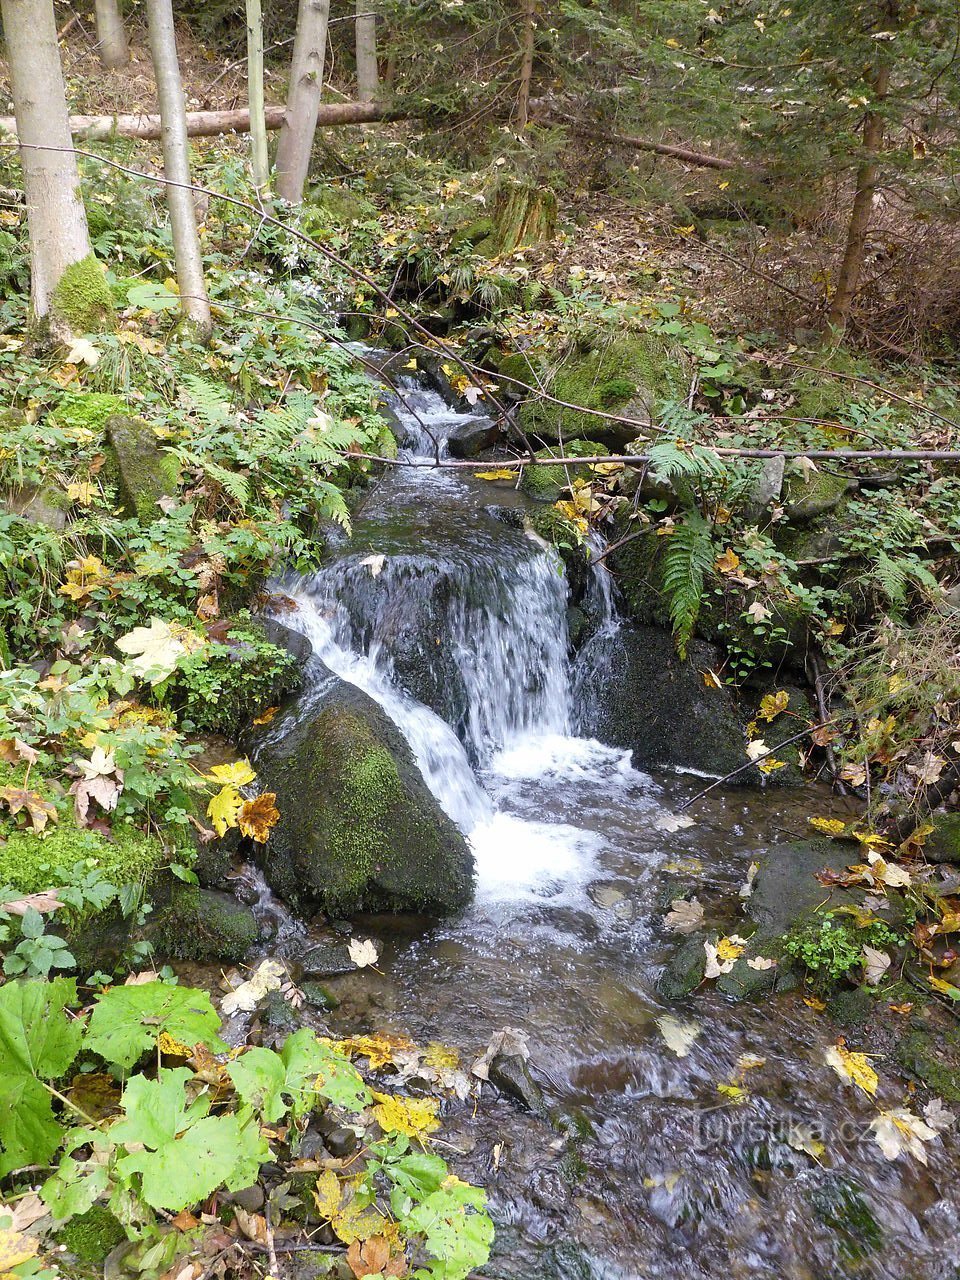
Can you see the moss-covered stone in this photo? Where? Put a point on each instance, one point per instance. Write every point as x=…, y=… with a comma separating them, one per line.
x=624, y=374
x=548, y=483
x=934, y=1060
x=82, y=299
x=145, y=471
x=360, y=829
x=815, y=494
x=203, y=925
x=92, y=1235
x=90, y=410
x=839, y=1205
x=684, y=971
x=340, y=205
x=943, y=842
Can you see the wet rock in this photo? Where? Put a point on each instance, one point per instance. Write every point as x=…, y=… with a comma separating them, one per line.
x=321, y=997
x=816, y=494
x=798, y=712
x=512, y=1076
x=641, y=696
x=250, y=1199
x=202, y=925
x=339, y=1140
x=933, y=1059
x=549, y=482
x=684, y=971
x=786, y=889
x=470, y=439
x=278, y=1014
x=326, y=960
x=943, y=842
x=295, y=643
x=361, y=829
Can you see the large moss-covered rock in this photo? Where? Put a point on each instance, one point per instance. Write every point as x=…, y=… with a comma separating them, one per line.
x=815, y=494
x=145, y=472
x=943, y=842
x=624, y=374
x=550, y=481
x=638, y=694
x=359, y=827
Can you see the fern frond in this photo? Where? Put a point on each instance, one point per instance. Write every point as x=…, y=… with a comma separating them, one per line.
x=687, y=558
x=211, y=401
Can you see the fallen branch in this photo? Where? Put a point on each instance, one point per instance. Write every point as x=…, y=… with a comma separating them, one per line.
x=559, y=460
x=206, y=124
x=700, y=159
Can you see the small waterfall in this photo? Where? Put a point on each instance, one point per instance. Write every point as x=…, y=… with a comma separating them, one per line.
x=275, y=921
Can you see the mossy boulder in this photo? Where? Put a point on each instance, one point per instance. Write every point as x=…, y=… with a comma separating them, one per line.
x=359, y=830
x=786, y=891
x=203, y=925
x=549, y=482
x=640, y=695
x=45, y=504
x=943, y=842
x=814, y=494
x=624, y=374
x=145, y=471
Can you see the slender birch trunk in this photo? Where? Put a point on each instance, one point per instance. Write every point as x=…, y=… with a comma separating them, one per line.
x=861, y=215
x=303, y=99
x=258, y=119
x=368, y=76
x=176, y=167
x=111, y=37
x=68, y=292
x=526, y=63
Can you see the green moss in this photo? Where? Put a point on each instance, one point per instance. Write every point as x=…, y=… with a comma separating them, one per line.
x=145, y=471
x=204, y=925
x=623, y=372
x=943, y=843
x=840, y=1206
x=32, y=862
x=549, y=482
x=814, y=495
x=92, y=1235
x=934, y=1060
x=82, y=298
x=88, y=409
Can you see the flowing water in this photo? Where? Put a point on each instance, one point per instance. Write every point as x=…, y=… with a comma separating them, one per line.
x=455, y=621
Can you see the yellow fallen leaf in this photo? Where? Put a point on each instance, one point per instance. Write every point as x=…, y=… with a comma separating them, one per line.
x=416, y=1117
x=224, y=809
x=727, y=562
x=502, y=473
x=735, y=1092
x=380, y=1049
x=237, y=773
x=257, y=816
x=772, y=704
x=852, y=1067
x=829, y=826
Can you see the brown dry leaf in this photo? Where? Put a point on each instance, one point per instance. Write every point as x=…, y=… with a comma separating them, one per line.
x=728, y=562
x=258, y=816
x=25, y=1212
x=252, y=1225
x=40, y=811
x=185, y=1221
x=266, y=716
x=374, y=1257
x=711, y=679
x=15, y=750
x=45, y=902
x=95, y=1093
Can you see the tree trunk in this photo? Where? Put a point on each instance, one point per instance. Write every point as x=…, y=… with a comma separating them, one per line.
x=368, y=82
x=258, y=120
x=848, y=277
x=111, y=37
x=207, y=124
x=526, y=63
x=303, y=99
x=68, y=292
x=176, y=167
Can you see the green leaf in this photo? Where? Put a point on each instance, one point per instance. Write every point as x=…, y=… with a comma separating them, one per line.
x=75, y=1187
x=152, y=297
x=35, y=1035
x=127, y=1021
x=456, y=1228
x=259, y=1077
x=29, y=1132
x=184, y=1155
x=316, y=1068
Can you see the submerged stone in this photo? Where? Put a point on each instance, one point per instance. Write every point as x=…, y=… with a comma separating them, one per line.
x=360, y=828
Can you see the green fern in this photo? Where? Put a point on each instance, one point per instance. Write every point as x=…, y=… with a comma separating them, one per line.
x=687, y=558
x=211, y=401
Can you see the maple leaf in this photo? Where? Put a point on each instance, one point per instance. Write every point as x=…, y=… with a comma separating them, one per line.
x=266, y=716
x=678, y=1035
x=102, y=781
x=257, y=816
x=154, y=651
x=373, y=1257
x=84, y=577
x=363, y=953
x=237, y=773
x=416, y=1117
x=224, y=809
x=853, y=1068
x=374, y=563
x=899, y=1130
x=46, y=902
x=773, y=704
x=760, y=963
x=269, y=976
x=756, y=749
x=39, y=811
x=684, y=915
x=379, y=1049
x=350, y=1219
x=728, y=562
x=15, y=750
x=875, y=964
x=760, y=613
x=673, y=822
x=722, y=956
x=829, y=826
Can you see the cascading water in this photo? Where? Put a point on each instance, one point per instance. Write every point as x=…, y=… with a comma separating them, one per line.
x=455, y=621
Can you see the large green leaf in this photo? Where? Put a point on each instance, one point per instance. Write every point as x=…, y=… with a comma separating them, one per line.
x=29, y=1133
x=182, y=1154
x=127, y=1021
x=314, y=1067
x=260, y=1077
x=36, y=1037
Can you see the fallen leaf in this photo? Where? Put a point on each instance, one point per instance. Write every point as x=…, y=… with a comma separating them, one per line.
x=266, y=716
x=746, y=889
x=46, y=902
x=756, y=749
x=760, y=613
x=154, y=651
x=14, y=1247
x=678, y=1035
x=374, y=563
x=363, y=953
x=671, y=822
x=802, y=1137
x=509, y=1041
x=82, y=351
x=268, y=976
x=760, y=963
x=937, y=1116
x=237, y=773
x=735, y=1092
x=727, y=562
x=828, y=826
x=15, y=750
x=685, y=915
x=224, y=809
x=256, y=817
x=416, y=1117
x=252, y=1225
x=815, y=1003
x=38, y=810
x=501, y=473
x=898, y=1131
x=875, y=964
x=773, y=704
x=722, y=956
x=853, y=1068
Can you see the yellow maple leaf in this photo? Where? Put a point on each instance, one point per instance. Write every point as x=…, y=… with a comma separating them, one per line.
x=728, y=562
x=344, y=1209
x=15, y=1248
x=380, y=1049
x=266, y=716
x=81, y=491
x=772, y=704
x=771, y=765
x=502, y=473
x=83, y=577
x=829, y=826
x=727, y=949
x=416, y=1117
x=735, y=1092
x=440, y=1056
x=237, y=773
x=815, y=1003
x=258, y=816
x=853, y=1067
x=224, y=809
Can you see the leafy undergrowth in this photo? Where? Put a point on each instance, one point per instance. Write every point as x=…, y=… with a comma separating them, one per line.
x=138, y=1108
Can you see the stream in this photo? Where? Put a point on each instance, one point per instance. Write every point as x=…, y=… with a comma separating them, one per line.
x=454, y=619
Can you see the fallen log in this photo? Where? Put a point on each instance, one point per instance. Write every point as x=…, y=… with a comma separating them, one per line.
x=701, y=159
x=206, y=124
